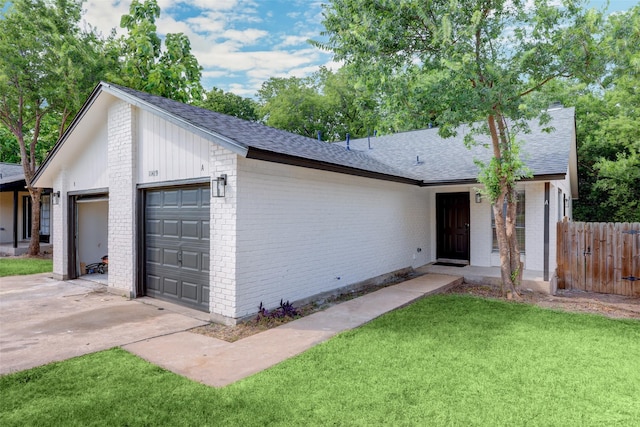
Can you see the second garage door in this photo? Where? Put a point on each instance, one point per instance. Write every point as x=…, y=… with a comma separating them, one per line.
x=177, y=245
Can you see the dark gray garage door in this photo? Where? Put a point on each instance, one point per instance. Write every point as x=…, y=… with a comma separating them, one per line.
x=177, y=245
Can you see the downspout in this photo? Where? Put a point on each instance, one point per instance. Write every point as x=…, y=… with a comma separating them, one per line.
x=546, y=232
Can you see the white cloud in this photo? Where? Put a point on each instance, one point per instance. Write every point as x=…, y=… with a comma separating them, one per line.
x=231, y=38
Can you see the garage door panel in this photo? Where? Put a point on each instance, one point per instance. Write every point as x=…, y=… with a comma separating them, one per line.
x=170, y=257
x=190, y=291
x=153, y=282
x=154, y=255
x=191, y=230
x=170, y=228
x=190, y=260
x=170, y=198
x=205, y=229
x=191, y=197
x=205, y=262
x=177, y=245
x=154, y=228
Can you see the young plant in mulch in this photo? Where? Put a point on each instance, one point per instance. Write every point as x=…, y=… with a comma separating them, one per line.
x=282, y=314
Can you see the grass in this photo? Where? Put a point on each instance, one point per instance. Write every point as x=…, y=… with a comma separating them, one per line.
x=22, y=266
x=445, y=360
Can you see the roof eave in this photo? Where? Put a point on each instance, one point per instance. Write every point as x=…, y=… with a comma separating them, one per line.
x=270, y=156
x=468, y=181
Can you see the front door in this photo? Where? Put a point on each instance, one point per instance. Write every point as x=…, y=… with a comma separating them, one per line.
x=452, y=219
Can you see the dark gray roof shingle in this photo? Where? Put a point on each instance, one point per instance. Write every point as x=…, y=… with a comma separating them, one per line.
x=447, y=160
x=255, y=135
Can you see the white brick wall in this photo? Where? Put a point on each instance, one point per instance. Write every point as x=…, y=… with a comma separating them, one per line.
x=223, y=237
x=122, y=207
x=300, y=232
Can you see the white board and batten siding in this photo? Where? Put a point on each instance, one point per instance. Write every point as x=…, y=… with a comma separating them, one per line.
x=301, y=232
x=89, y=168
x=167, y=152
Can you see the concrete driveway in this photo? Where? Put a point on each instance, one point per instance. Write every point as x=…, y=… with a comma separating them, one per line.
x=44, y=320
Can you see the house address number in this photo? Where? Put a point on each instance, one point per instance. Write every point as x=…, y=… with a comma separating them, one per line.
x=153, y=173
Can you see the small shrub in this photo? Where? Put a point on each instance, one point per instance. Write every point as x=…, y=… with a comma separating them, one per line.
x=286, y=309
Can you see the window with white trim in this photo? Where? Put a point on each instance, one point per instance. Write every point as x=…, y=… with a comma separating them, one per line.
x=520, y=223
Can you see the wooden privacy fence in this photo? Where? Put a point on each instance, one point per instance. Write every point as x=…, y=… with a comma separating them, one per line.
x=599, y=257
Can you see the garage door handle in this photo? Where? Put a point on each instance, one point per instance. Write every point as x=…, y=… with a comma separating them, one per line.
x=180, y=257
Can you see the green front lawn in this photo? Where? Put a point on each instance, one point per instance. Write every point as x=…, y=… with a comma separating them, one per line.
x=445, y=360
x=22, y=266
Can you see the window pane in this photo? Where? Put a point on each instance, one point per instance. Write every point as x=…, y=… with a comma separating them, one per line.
x=520, y=224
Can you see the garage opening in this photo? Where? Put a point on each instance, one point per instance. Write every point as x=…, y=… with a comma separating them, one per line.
x=91, y=237
x=176, y=245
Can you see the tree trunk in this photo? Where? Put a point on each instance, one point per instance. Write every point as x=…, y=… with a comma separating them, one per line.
x=510, y=265
x=34, y=244
x=506, y=284
x=515, y=265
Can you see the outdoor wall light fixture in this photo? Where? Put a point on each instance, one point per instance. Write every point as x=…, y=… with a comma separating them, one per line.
x=55, y=197
x=478, y=197
x=221, y=184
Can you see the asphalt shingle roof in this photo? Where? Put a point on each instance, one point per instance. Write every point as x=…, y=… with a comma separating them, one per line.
x=391, y=157
x=10, y=172
x=255, y=135
x=446, y=160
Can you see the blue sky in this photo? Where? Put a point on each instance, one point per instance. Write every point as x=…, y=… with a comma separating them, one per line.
x=242, y=43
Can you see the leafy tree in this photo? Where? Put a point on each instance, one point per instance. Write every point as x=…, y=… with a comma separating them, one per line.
x=293, y=104
x=618, y=175
x=9, y=148
x=607, y=118
x=325, y=102
x=172, y=72
x=49, y=65
x=481, y=58
x=230, y=103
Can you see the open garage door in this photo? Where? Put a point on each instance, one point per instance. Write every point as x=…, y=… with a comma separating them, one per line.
x=177, y=245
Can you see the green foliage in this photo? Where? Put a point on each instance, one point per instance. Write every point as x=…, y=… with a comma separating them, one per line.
x=230, y=103
x=172, y=72
x=608, y=136
x=326, y=102
x=48, y=67
x=9, y=148
x=445, y=360
x=22, y=266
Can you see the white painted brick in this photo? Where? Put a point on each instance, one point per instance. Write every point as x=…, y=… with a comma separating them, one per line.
x=121, y=160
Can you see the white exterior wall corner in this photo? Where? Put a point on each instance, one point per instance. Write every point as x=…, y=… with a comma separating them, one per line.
x=534, y=226
x=121, y=161
x=480, y=228
x=223, y=237
x=60, y=229
x=301, y=232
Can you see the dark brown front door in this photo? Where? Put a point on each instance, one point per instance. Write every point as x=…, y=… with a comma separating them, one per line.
x=452, y=225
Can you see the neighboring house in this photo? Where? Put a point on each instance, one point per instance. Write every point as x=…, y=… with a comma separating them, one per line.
x=15, y=212
x=221, y=214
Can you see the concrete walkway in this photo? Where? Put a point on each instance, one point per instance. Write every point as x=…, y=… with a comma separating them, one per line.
x=218, y=363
